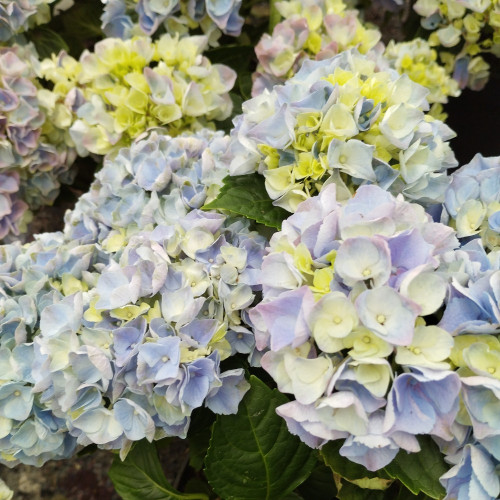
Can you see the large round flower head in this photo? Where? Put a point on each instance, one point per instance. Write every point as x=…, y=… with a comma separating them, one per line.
x=17, y=16
x=349, y=325
x=125, y=87
x=472, y=200
x=469, y=28
x=348, y=290
x=341, y=120
x=213, y=16
x=31, y=145
x=133, y=307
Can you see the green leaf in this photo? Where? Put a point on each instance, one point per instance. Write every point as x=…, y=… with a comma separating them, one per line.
x=420, y=472
x=252, y=456
x=237, y=57
x=320, y=485
x=198, y=436
x=140, y=477
x=81, y=20
x=246, y=195
x=245, y=84
x=350, y=491
x=47, y=42
x=352, y=471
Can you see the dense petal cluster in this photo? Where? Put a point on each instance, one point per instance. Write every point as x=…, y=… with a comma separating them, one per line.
x=472, y=315
x=31, y=145
x=351, y=293
x=468, y=28
x=213, y=16
x=343, y=323
x=472, y=200
x=17, y=16
x=418, y=60
x=310, y=30
x=12, y=209
x=125, y=87
x=114, y=330
x=339, y=120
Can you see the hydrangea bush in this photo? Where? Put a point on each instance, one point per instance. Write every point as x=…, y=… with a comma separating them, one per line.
x=296, y=283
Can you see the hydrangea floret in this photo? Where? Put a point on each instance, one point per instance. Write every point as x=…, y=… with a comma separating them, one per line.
x=34, y=143
x=472, y=201
x=212, y=16
x=468, y=28
x=17, y=16
x=349, y=326
x=114, y=330
x=340, y=120
x=125, y=87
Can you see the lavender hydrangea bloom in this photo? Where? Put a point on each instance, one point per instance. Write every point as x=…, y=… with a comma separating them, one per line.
x=346, y=285
x=423, y=403
x=122, y=322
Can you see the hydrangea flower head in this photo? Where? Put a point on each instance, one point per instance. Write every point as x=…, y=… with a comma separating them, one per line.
x=340, y=120
x=321, y=30
x=213, y=16
x=382, y=329
x=330, y=302
x=125, y=87
x=32, y=146
x=122, y=320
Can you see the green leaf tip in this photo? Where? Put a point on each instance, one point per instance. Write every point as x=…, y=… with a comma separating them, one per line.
x=246, y=195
